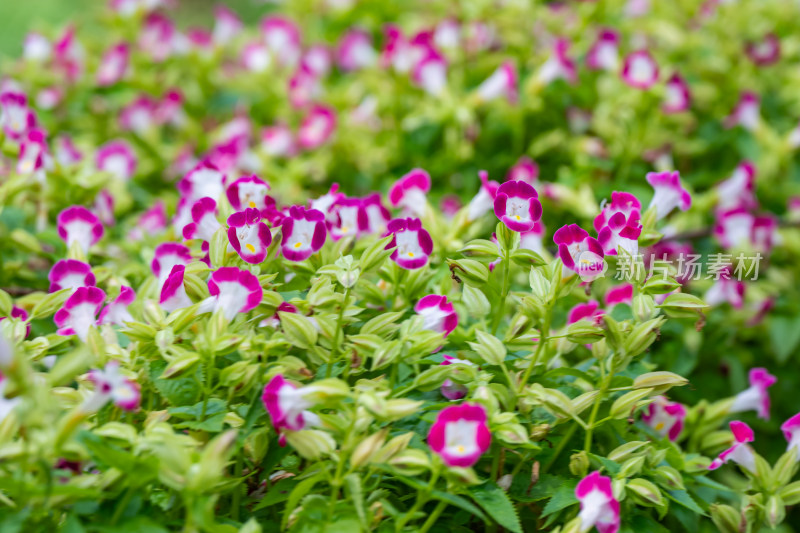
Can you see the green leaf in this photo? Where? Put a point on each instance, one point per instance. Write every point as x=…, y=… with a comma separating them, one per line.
x=297, y=494
x=461, y=503
x=784, y=332
x=180, y=391
x=279, y=492
x=356, y=495
x=563, y=497
x=684, y=498
x=495, y=502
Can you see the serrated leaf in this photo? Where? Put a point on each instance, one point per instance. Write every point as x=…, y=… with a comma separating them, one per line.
x=495, y=502
x=563, y=497
x=684, y=498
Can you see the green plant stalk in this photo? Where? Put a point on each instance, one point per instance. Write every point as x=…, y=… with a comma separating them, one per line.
x=604, y=384
x=336, y=341
x=422, y=499
x=498, y=317
x=441, y=506
x=560, y=448
x=543, y=340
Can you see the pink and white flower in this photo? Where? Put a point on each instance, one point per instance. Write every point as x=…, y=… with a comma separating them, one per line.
x=275, y=320
x=764, y=52
x=451, y=389
x=19, y=314
x=412, y=243
x=525, y=169
x=640, y=70
x=304, y=233
x=409, y=192
x=287, y=406
x=437, y=314
x=791, y=430
x=151, y=222
x=430, y=73
x=16, y=117
x=620, y=233
x=78, y=225
x=69, y=56
x=726, y=290
x=140, y=116
x=117, y=311
x=111, y=385
x=579, y=252
x=738, y=190
x=618, y=295
x=517, y=205
x=158, y=37
x=586, y=311
x=204, y=220
x=277, y=141
x=232, y=291
x=256, y=57
x=113, y=65
x=104, y=207
x=665, y=417
x=32, y=152
x=501, y=84
x=558, y=66
x=317, y=127
x=599, y=507
x=70, y=274
x=117, y=158
x=460, y=434
x=282, y=37
x=227, y=25
x=532, y=239
x=249, y=236
x=355, y=50
x=248, y=191
x=304, y=88
x=621, y=202
x=79, y=312
x=604, y=55
x=668, y=193
x=482, y=202
x=173, y=293
x=756, y=396
x=378, y=216
x=66, y=152
x=740, y=453
x=36, y=48
x=318, y=60
x=747, y=112
x=167, y=255
x=350, y=219
x=677, y=97
x=204, y=180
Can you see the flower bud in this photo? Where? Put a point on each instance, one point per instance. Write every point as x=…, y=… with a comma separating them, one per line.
x=644, y=307
x=180, y=364
x=251, y=526
x=600, y=349
x=775, y=511
x=669, y=478
x=726, y=518
x=631, y=467
x=579, y=464
x=625, y=404
x=512, y=434
x=367, y=448
x=627, y=450
x=386, y=354
x=393, y=447
x=489, y=348
x=540, y=285
x=660, y=381
x=400, y=408
x=645, y=492
x=469, y=271
x=642, y=336
x=298, y=329
x=311, y=443
x=411, y=461
x=211, y=463
x=475, y=301
x=583, y=332
x=790, y=494
x=540, y=431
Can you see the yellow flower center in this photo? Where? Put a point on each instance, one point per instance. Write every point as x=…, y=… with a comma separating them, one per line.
x=460, y=448
x=250, y=247
x=298, y=244
x=518, y=217
x=252, y=204
x=410, y=254
x=659, y=426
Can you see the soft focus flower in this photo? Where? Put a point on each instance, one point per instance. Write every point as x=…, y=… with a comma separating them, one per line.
x=113, y=65
x=66, y=152
x=525, y=169
x=151, y=222
x=157, y=37
x=740, y=453
x=282, y=37
x=20, y=314
x=277, y=141
x=460, y=434
x=413, y=244
x=450, y=389
x=756, y=397
x=70, y=274
x=16, y=117
x=437, y=314
x=640, y=70
x=501, y=84
x=482, y=202
x=677, y=97
x=409, y=192
x=517, y=205
x=167, y=255
x=747, y=112
x=532, y=239
x=173, y=293
x=725, y=290
x=117, y=311
x=33, y=150
x=586, y=311
x=579, y=252
x=204, y=220
x=665, y=417
x=78, y=225
x=318, y=60
x=36, y=48
x=248, y=191
x=317, y=127
x=791, y=430
x=378, y=215
x=599, y=508
x=227, y=25
x=116, y=158
x=204, y=181
x=764, y=52
x=430, y=73
x=619, y=294
x=256, y=57
x=248, y=235
x=603, y=55
x=355, y=50
x=79, y=312
x=558, y=66
x=738, y=190
x=350, y=218
x=111, y=385
x=104, y=207
x=304, y=233
x=139, y=116
x=232, y=291
x=287, y=406
x=668, y=193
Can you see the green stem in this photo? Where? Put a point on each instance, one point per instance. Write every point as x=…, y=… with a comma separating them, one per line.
x=498, y=317
x=433, y=517
x=335, y=484
x=604, y=384
x=560, y=448
x=543, y=340
x=122, y=505
x=422, y=499
x=237, y=493
x=336, y=342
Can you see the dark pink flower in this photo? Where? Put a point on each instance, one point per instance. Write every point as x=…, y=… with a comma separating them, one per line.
x=437, y=313
x=460, y=434
x=665, y=417
x=79, y=312
x=579, y=252
x=756, y=397
x=409, y=192
x=413, y=244
x=740, y=453
x=249, y=236
x=304, y=233
x=599, y=507
x=640, y=70
x=78, y=225
x=517, y=205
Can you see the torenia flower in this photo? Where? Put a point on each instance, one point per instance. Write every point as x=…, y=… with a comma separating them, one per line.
x=460, y=434
x=791, y=430
x=77, y=224
x=640, y=70
x=227, y=25
x=603, y=54
x=20, y=314
x=532, y=239
x=599, y=508
x=304, y=233
x=287, y=405
x=621, y=202
x=277, y=141
x=430, y=73
x=501, y=84
x=355, y=50
x=620, y=294
x=525, y=169
x=665, y=417
x=317, y=127
x=668, y=193
x=17, y=117
x=318, y=60
x=517, y=205
x=677, y=97
x=747, y=112
x=437, y=314
x=151, y=222
x=586, y=311
x=117, y=158
x=764, y=52
x=740, y=453
x=249, y=236
x=620, y=233
x=482, y=202
x=140, y=116
x=117, y=311
x=204, y=220
x=737, y=191
x=70, y=274
x=204, y=181
x=158, y=37
x=256, y=57
x=558, y=66
x=167, y=255
x=113, y=65
x=36, y=48
x=248, y=191
x=579, y=252
x=350, y=218
x=725, y=290
x=173, y=293
x=413, y=244
x=450, y=389
x=756, y=397
x=80, y=312
x=409, y=192
x=33, y=150
x=111, y=385
x=232, y=291
x=282, y=37
x=66, y=152
x=377, y=214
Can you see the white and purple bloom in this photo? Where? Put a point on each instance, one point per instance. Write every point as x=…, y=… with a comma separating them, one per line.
x=70, y=274
x=413, y=244
x=525, y=169
x=256, y=57
x=317, y=127
x=430, y=73
x=117, y=311
x=151, y=222
x=791, y=430
x=32, y=152
x=460, y=434
x=378, y=215
x=747, y=112
x=517, y=205
x=287, y=406
x=756, y=396
x=173, y=293
x=37, y=48
x=738, y=190
x=451, y=389
x=620, y=233
x=66, y=152
x=277, y=140
x=282, y=37
x=677, y=97
x=764, y=52
x=16, y=117
x=167, y=255
x=532, y=239
x=351, y=218
x=232, y=291
x=618, y=295
x=304, y=233
x=248, y=191
x=248, y=235
x=117, y=158
x=113, y=65
x=437, y=314
x=621, y=202
x=599, y=507
x=558, y=66
x=668, y=193
x=501, y=84
x=318, y=60
x=139, y=116
x=665, y=417
x=204, y=180
x=604, y=55
x=104, y=207
x=227, y=25
x=158, y=37
x=79, y=312
x=482, y=202
x=304, y=87
x=355, y=50
x=204, y=220
x=111, y=385
x=640, y=70
x=22, y=315
x=740, y=453
x=726, y=290
x=409, y=192
x=78, y=225
x=586, y=311
x=579, y=252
